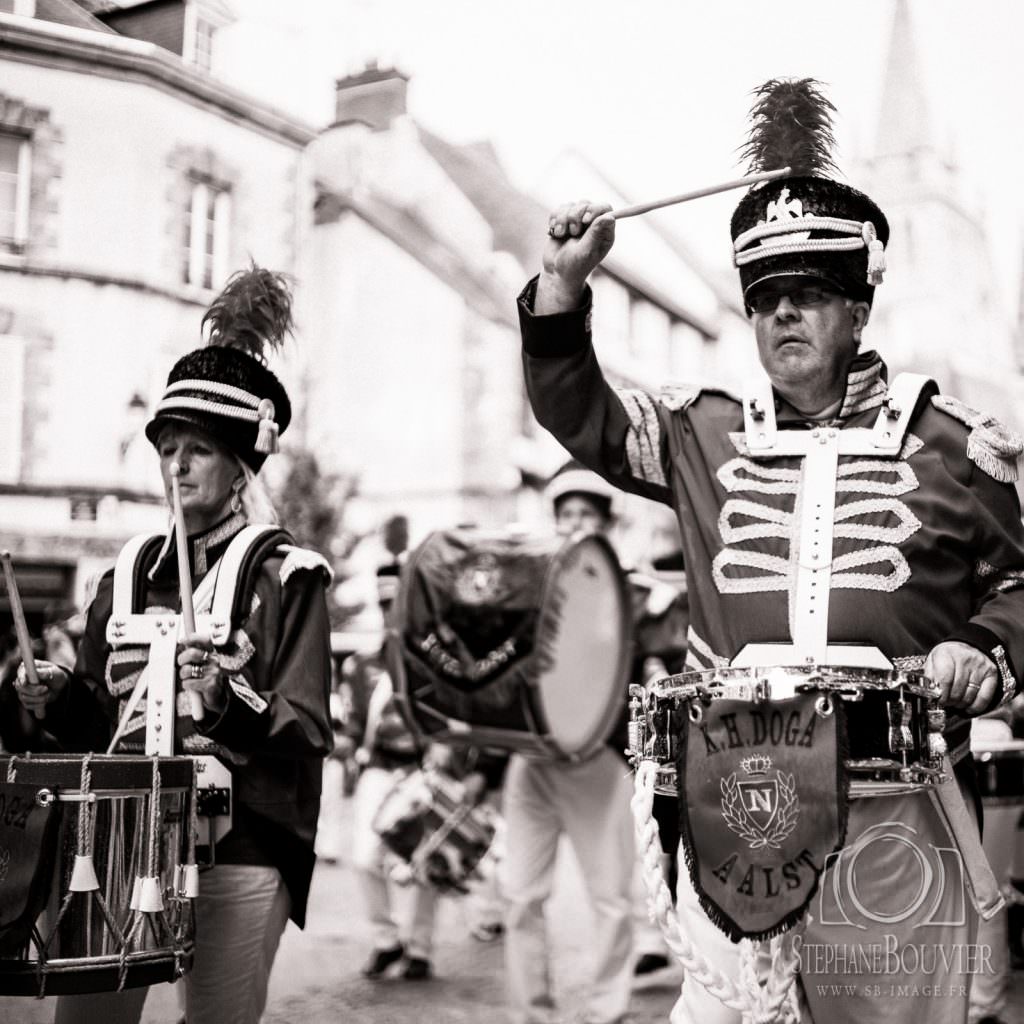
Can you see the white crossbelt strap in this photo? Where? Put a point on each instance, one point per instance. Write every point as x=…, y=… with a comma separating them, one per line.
x=820, y=449
x=213, y=599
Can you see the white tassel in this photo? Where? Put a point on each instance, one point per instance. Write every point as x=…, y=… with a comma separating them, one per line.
x=876, y=254
x=267, y=434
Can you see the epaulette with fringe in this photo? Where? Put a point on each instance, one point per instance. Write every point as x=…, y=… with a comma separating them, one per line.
x=991, y=446
x=296, y=558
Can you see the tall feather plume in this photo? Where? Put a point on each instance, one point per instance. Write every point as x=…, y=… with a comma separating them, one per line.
x=253, y=313
x=791, y=126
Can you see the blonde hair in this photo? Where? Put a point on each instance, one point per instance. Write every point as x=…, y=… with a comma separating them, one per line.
x=256, y=504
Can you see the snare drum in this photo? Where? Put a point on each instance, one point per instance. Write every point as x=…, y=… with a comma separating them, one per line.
x=512, y=642
x=438, y=836
x=92, y=888
x=893, y=721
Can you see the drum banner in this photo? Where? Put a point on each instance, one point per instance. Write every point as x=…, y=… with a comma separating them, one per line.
x=470, y=616
x=28, y=850
x=763, y=803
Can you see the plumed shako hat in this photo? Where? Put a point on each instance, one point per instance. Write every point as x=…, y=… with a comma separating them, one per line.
x=226, y=388
x=805, y=223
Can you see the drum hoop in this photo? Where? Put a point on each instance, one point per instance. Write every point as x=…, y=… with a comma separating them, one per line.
x=615, y=699
x=708, y=683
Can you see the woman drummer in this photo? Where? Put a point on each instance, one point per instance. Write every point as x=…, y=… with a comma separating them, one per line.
x=264, y=694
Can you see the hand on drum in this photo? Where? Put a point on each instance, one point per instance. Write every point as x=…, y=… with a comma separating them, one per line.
x=199, y=672
x=52, y=680
x=580, y=235
x=968, y=678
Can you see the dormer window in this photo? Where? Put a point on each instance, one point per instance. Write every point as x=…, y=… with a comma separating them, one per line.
x=203, y=19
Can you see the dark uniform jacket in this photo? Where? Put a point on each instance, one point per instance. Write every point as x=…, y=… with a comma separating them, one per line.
x=274, y=732
x=927, y=547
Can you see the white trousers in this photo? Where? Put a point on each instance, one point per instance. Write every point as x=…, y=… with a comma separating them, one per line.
x=382, y=897
x=890, y=935
x=589, y=803
x=241, y=912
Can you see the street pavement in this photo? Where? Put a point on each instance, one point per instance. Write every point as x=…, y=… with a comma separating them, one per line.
x=317, y=980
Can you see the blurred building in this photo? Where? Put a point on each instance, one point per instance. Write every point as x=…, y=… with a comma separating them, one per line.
x=131, y=183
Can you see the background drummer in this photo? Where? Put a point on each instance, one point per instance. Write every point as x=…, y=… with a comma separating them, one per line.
x=944, y=592
x=588, y=802
x=264, y=695
x=385, y=751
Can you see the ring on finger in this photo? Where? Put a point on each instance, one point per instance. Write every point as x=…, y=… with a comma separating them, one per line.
x=196, y=672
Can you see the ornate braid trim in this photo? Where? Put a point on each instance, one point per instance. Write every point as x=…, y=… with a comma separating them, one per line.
x=1005, y=675
x=244, y=650
x=763, y=479
x=776, y=577
x=211, y=387
x=791, y=225
x=699, y=646
x=216, y=408
x=870, y=581
x=643, y=440
x=910, y=662
x=775, y=522
x=909, y=523
x=740, y=259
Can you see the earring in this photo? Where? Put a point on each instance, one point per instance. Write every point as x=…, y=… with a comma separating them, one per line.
x=236, y=496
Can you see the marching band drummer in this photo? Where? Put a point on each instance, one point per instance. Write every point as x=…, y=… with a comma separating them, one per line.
x=915, y=552
x=586, y=801
x=385, y=751
x=264, y=693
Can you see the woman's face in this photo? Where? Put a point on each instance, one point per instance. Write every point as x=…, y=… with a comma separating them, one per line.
x=207, y=471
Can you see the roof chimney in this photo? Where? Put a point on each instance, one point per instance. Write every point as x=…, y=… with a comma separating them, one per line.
x=375, y=96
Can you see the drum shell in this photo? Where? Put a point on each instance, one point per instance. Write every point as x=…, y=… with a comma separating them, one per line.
x=502, y=636
x=83, y=955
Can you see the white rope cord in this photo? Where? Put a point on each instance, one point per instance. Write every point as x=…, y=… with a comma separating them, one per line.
x=213, y=387
x=772, y=1003
x=809, y=245
x=793, y=224
x=203, y=405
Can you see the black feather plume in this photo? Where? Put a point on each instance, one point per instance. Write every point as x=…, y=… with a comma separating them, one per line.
x=253, y=312
x=791, y=126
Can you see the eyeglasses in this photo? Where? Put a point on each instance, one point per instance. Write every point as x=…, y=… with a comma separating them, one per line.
x=808, y=296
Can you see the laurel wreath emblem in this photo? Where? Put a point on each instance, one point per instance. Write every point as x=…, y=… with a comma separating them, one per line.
x=740, y=821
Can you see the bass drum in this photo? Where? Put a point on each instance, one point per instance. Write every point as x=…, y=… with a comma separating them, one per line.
x=514, y=642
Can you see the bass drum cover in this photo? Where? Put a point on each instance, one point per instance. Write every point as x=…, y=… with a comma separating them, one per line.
x=514, y=642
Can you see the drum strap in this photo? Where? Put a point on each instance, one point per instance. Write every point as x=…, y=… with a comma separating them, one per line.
x=213, y=599
x=814, y=515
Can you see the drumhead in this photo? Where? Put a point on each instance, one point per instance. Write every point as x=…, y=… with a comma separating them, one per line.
x=583, y=645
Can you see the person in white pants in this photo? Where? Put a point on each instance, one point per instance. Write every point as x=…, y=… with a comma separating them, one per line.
x=589, y=803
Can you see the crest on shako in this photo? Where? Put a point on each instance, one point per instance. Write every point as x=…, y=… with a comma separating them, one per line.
x=749, y=773
x=785, y=208
x=479, y=580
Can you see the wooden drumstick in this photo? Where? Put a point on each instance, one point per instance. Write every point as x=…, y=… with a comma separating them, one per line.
x=188, y=610
x=20, y=625
x=685, y=197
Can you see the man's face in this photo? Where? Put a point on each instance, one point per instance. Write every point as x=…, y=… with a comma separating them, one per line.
x=809, y=337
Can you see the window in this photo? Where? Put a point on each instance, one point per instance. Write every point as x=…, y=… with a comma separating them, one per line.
x=206, y=235
x=15, y=170
x=202, y=55
x=12, y=359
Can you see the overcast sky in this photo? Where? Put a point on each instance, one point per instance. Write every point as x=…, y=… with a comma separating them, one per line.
x=655, y=92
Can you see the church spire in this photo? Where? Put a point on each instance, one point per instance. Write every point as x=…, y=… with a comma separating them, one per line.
x=903, y=125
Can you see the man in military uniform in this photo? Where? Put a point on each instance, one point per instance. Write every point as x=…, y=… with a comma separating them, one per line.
x=828, y=516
